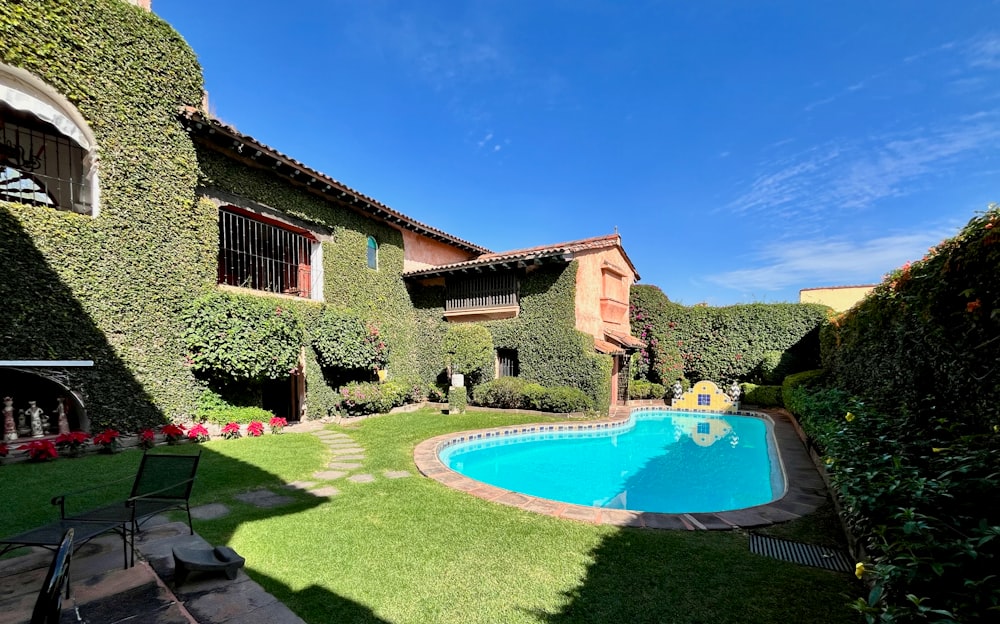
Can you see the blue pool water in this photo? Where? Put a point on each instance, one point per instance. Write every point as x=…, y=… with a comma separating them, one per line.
x=668, y=462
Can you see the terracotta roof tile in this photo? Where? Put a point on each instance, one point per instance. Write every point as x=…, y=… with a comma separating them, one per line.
x=197, y=120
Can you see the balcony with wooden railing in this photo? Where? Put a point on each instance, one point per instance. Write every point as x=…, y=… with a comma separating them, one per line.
x=482, y=297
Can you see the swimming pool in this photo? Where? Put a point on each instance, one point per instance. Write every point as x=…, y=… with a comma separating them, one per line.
x=656, y=461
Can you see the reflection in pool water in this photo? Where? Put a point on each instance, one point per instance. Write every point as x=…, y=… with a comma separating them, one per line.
x=668, y=462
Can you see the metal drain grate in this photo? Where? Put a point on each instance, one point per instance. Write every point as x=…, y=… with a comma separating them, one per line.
x=797, y=552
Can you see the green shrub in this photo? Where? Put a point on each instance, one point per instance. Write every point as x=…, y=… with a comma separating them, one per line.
x=642, y=389
x=761, y=396
x=242, y=338
x=532, y=394
x=925, y=339
x=215, y=409
x=458, y=399
x=343, y=340
x=468, y=349
x=361, y=398
x=563, y=399
x=790, y=387
x=505, y=393
x=732, y=342
x=914, y=497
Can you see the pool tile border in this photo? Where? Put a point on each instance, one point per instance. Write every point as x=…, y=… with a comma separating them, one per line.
x=804, y=493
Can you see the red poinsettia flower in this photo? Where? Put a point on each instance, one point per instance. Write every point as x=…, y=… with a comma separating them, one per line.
x=172, y=432
x=255, y=429
x=231, y=431
x=40, y=450
x=198, y=433
x=277, y=424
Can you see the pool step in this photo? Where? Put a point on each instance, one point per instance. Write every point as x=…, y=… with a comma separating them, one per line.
x=797, y=552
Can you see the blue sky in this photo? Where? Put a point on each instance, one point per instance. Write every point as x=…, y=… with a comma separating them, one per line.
x=743, y=150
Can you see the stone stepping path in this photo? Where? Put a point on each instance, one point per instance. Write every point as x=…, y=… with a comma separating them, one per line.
x=264, y=498
x=209, y=512
x=329, y=475
x=361, y=478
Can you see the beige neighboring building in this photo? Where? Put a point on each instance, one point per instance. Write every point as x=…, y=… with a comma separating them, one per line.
x=840, y=298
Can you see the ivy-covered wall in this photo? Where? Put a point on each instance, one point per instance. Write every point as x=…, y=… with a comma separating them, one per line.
x=111, y=288
x=550, y=349
x=376, y=295
x=751, y=342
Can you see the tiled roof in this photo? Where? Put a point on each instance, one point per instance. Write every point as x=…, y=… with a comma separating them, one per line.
x=625, y=340
x=519, y=257
x=234, y=144
x=603, y=346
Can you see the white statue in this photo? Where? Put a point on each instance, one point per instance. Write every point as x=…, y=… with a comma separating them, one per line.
x=677, y=389
x=9, y=426
x=63, y=421
x=35, y=416
x=734, y=391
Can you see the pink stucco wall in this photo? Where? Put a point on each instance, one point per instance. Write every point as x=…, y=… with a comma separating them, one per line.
x=602, y=291
x=420, y=252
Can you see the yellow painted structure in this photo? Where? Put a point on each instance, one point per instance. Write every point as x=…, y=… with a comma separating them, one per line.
x=703, y=431
x=706, y=396
x=839, y=298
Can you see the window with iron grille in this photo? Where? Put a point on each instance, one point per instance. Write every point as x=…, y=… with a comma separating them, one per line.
x=40, y=165
x=507, y=363
x=262, y=255
x=481, y=291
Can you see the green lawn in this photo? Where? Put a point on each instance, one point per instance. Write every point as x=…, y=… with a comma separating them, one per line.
x=413, y=551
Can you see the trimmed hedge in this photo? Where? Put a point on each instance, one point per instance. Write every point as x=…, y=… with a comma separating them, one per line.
x=751, y=342
x=925, y=340
x=518, y=393
x=761, y=396
x=642, y=389
x=458, y=399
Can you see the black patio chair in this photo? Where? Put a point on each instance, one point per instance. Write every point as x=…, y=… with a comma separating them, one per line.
x=163, y=483
x=48, y=605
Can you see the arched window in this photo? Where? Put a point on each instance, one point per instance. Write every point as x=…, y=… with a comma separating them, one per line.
x=47, y=152
x=372, y=253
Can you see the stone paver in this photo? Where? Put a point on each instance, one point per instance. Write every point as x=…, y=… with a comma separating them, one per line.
x=397, y=474
x=327, y=491
x=356, y=456
x=300, y=485
x=346, y=450
x=361, y=478
x=329, y=475
x=209, y=512
x=264, y=498
x=343, y=465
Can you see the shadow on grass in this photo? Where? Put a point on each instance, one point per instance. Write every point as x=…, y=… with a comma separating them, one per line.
x=42, y=319
x=641, y=576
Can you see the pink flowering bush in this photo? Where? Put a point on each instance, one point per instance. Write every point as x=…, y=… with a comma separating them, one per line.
x=198, y=433
x=255, y=429
x=231, y=431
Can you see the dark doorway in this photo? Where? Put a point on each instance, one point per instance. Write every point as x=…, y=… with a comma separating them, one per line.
x=281, y=397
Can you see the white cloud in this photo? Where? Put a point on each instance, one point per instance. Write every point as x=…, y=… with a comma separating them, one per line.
x=984, y=52
x=855, y=174
x=811, y=263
